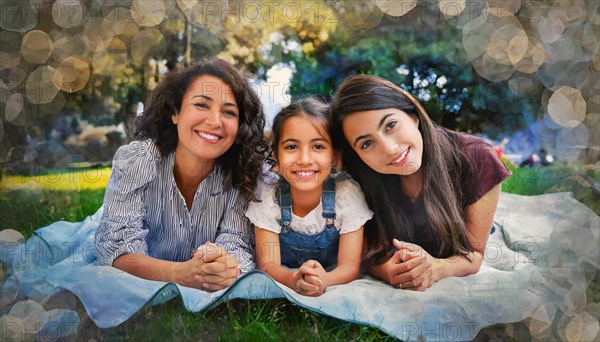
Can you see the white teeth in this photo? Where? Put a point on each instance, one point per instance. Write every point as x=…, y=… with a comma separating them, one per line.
x=208, y=136
x=401, y=156
x=305, y=173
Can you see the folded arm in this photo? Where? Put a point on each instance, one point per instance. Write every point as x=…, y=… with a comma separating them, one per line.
x=411, y=267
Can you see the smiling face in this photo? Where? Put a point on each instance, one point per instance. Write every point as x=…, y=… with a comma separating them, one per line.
x=207, y=122
x=387, y=140
x=305, y=154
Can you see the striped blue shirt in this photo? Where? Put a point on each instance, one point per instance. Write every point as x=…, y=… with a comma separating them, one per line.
x=145, y=213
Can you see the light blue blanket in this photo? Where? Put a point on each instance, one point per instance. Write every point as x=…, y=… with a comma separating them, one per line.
x=537, y=267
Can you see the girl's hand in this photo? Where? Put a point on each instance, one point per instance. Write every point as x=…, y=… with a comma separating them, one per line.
x=416, y=270
x=313, y=281
x=210, y=269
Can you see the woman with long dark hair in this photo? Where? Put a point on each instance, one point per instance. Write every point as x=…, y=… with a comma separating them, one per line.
x=433, y=191
x=183, y=185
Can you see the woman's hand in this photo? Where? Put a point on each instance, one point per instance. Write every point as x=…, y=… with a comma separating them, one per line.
x=410, y=268
x=416, y=269
x=211, y=269
x=312, y=279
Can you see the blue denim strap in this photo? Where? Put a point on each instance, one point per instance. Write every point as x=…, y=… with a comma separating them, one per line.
x=328, y=199
x=284, y=199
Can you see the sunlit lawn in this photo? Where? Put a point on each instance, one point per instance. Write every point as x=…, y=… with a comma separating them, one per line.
x=60, y=180
x=31, y=202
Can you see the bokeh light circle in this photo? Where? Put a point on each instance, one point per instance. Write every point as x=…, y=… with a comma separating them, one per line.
x=148, y=12
x=42, y=85
x=10, y=41
x=476, y=35
x=17, y=111
x=573, y=9
x=74, y=72
x=147, y=41
x=525, y=88
x=67, y=13
x=362, y=15
x=552, y=26
x=36, y=47
x=570, y=141
x=504, y=8
x=533, y=59
x=98, y=35
x=564, y=73
x=566, y=49
x=112, y=60
x=54, y=106
x=575, y=299
x=396, y=8
x=451, y=8
x=19, y=16
x=508, y=44
x=187, y=6
x=5, y=93
x=13, y=77
x=592, y=119
x=491, y=70
x=69, y=46
x=567, y=107
x=593, y=103
x=14, y=107
x=9, y=60
x=550, y=123
x=592, y=122
x=589, y=42
x=593, y=12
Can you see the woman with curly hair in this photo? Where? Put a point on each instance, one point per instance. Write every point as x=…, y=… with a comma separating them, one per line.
x=433, y=191
x=186, y=180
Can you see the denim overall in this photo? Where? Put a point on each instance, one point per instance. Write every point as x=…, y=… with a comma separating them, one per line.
x=297, y=248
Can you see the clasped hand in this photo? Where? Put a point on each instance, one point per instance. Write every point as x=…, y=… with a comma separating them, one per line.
x=211, y=268
x=310, y=279
x=410, y=268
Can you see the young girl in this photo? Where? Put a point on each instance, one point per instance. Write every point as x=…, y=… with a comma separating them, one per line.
x=434, y=189
x=310, y=218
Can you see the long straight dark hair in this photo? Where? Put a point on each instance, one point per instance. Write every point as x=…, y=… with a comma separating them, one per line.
x=447, y=175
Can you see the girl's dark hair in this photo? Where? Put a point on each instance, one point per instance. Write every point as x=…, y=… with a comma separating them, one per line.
x=315, y=110
x=447, y=174
x=242, y=162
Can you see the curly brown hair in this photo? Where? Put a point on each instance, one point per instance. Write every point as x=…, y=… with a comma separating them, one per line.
x=242, y=162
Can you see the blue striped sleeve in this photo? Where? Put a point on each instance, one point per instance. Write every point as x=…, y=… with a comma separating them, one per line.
x=235, y=232
x=121, y=229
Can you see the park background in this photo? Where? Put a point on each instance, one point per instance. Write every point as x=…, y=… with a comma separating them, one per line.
x=74, y=73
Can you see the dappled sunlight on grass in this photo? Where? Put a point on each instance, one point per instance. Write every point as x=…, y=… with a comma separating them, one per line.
x=69, y=180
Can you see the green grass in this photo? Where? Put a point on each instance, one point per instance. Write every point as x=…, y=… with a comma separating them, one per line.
x=556, y=178
x=28, y=210
x=41, y=203
x=236, y=320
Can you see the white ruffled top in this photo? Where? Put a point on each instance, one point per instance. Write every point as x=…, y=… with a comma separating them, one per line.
x=351, y=210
